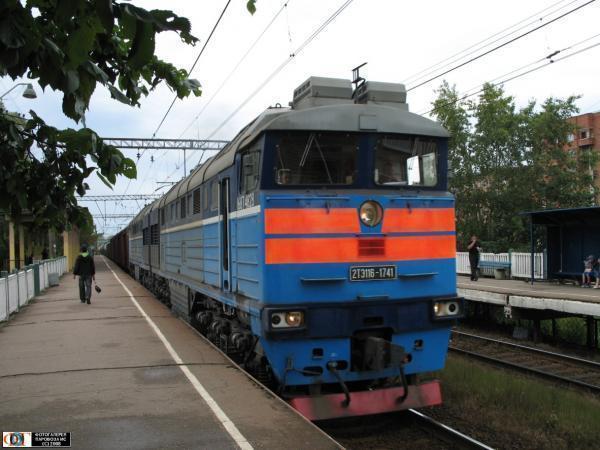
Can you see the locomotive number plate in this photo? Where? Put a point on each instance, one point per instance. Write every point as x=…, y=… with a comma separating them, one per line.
x=365, y=273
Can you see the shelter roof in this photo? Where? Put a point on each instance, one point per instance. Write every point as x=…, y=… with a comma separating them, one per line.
x=587, y=216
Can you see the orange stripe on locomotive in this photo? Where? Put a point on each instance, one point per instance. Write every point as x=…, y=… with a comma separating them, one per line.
x=358, y=249
x=345, y=220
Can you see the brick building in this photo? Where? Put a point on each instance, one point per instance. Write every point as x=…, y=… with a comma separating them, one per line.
x=587, y=138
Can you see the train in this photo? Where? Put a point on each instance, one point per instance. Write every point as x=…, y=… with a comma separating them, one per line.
x=317, y=250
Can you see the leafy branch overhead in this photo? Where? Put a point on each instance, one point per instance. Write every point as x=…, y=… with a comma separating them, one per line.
x=45, y=181
x=72, y=46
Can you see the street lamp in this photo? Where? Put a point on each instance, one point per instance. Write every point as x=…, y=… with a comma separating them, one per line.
x=29, y=92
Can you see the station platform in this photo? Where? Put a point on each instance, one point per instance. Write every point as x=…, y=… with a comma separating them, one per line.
x=541, y=295
x=123, y=372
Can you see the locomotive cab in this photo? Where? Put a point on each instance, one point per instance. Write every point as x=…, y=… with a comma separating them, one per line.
x=358, y=228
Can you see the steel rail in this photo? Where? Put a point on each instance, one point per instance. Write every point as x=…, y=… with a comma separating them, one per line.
x=588, y=362
x=526, y=369
x=455, y=435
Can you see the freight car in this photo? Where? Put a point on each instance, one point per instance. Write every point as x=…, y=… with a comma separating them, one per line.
x=318, y=249
x=117, y=249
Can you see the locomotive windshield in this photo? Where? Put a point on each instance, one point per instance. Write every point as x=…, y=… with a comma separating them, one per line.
x=316, y=159
x=406, y=161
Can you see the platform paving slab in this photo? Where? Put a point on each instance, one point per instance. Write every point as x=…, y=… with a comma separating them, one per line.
x=100, y=372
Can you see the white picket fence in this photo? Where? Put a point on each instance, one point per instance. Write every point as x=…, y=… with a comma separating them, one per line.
x=520, y=264
x=17, y=289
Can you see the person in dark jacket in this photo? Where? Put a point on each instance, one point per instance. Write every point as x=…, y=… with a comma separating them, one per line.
x=85, y=268
x=474, y=248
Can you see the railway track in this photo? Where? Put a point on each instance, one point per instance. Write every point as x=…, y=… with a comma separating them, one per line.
x=559, y=367
x=410, y=430
x=448, y=434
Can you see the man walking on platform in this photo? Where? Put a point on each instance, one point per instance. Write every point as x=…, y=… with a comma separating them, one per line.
x=85, y=268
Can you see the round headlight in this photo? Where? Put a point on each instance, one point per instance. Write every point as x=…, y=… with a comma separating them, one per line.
x=294, y=318
x=371, y=213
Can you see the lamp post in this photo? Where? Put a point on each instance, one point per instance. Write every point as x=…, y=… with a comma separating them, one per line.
x=29, y=92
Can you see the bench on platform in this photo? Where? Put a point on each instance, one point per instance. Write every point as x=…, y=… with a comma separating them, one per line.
x=501, y=267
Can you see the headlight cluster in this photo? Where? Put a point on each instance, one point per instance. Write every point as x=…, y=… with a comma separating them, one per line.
x=443, y=309
x=287, y=319
x=371, y=213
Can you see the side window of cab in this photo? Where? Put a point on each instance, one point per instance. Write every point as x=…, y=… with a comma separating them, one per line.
x=249, y=173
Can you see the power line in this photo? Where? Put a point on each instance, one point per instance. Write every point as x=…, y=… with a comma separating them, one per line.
x=302, y=46
x=548, y=57
x=285, y=63
x=193, y=65
x=501, y=45
x=551, y=61
x=452, y=59
x=241, y=60
x=189, y=73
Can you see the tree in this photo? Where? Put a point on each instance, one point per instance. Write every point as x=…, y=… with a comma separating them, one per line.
x=506, y=161
x=72, y=46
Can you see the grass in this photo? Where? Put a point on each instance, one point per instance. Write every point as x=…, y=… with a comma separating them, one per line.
x=524, y=412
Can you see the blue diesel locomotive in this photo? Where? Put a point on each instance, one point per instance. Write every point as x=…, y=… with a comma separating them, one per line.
x=317, y=249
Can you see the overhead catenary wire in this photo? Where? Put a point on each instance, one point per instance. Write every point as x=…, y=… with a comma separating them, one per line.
x=498, y=47
x=477, y=46
x=236, y=67
x=194, y=65
x=506, y=80
x=212, y=31
x=296, y=52
x=279, y=68
x=549, y=57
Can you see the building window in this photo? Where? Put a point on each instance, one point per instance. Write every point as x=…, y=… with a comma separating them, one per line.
x=182, y=207
x=570, y=137
x=583, y=134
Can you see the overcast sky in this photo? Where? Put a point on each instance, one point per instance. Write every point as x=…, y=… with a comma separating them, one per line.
x=396, y=39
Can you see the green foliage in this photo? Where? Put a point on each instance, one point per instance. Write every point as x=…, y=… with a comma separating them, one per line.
x=46, y=185
x=523, y=412
x=251, y=5
x=72, y=46
x=505, y=161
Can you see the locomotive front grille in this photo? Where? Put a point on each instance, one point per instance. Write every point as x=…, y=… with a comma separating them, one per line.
x=371, y=247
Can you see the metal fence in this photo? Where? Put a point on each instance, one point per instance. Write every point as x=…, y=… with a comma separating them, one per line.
x=520, y=264
x=18, y=288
